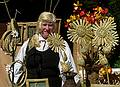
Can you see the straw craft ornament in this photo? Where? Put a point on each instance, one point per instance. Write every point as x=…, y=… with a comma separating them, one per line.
x=80, y=32
x=105, y=32
x=96, y=27
x=56, y=42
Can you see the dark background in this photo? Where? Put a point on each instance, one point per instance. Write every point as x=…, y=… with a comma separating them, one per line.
x=30, y=9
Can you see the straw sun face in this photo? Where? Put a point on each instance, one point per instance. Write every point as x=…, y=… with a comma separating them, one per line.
x=105, y=33
x=80, y=32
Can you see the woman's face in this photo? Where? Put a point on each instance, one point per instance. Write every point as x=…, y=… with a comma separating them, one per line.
x=46, y=28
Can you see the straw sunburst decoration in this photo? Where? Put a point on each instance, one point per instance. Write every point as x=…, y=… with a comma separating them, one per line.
x=105, y=33
x=56, y=42
x=80, y=32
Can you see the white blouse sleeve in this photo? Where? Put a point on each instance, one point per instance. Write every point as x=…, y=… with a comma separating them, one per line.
x=69, y=59
x=20, y=57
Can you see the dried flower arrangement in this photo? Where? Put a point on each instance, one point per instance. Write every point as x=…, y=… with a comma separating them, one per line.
x=95, y=33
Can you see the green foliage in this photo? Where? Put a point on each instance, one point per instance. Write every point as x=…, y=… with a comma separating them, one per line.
x=117, y=63
x=115, y=11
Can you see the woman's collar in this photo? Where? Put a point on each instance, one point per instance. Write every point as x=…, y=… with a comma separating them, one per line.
x=41, y=38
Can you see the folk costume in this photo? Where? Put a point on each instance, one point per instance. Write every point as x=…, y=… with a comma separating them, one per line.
x=41, y=60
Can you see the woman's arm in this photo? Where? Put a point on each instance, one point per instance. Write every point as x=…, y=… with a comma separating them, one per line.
x=70, y=60
x=20, y=57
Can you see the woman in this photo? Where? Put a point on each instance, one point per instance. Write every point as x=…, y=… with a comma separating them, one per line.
x=41, y=61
